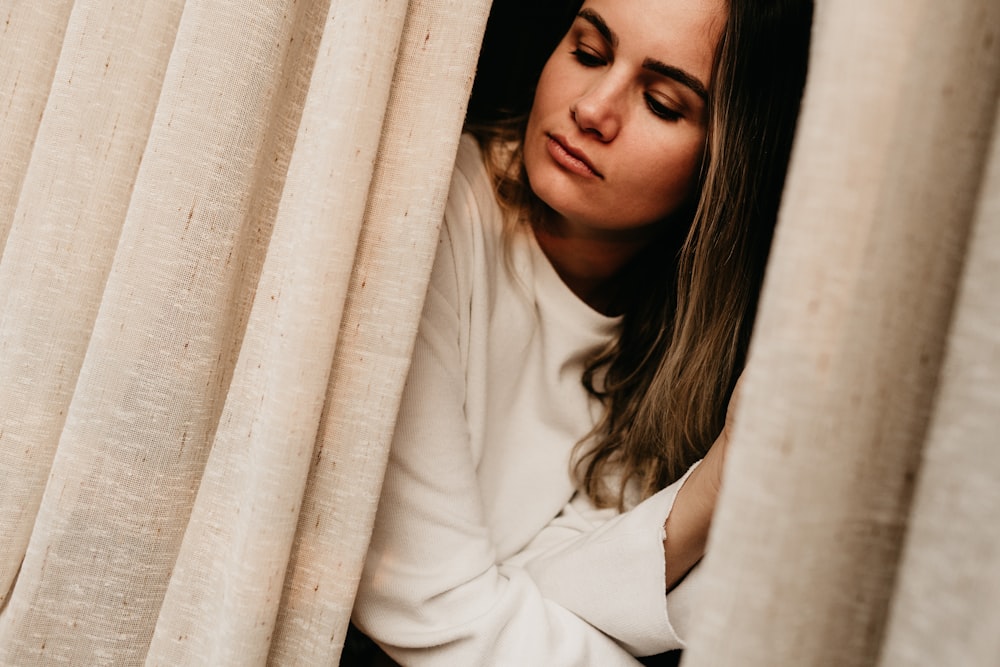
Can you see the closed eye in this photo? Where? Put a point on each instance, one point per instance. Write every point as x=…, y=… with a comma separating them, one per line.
x=588, y=59
x=661, y=110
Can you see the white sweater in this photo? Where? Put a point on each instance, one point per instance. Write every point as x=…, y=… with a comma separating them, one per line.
x=482, y=553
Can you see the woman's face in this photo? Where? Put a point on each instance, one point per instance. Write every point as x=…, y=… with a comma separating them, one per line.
x=617, y=129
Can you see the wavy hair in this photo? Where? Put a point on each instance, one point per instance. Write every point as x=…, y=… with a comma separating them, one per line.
x=688, y=299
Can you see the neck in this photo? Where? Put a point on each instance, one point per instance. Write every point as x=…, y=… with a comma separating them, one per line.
x=589, y=264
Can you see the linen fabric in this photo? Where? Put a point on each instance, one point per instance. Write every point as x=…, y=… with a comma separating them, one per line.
x=209, y=196
x=847, y=364
x=145, y=153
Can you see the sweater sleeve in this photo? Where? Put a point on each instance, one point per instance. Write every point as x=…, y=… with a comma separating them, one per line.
x=608, y=568
x=431, y=592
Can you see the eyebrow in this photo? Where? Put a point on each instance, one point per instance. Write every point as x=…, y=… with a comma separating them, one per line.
x=651, y=64
x=598, y=22
x=677, y=74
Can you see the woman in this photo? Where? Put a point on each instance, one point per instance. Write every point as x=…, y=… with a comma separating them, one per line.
x=587, y=319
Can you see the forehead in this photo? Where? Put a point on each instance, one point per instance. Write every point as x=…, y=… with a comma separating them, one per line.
x=679, y=32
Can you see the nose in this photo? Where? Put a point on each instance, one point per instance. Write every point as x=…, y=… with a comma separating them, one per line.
x=598, y=111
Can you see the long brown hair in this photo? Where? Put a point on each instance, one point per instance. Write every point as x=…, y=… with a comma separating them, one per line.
x=688, y=299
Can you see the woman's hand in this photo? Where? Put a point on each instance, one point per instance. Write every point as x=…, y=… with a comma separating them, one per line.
x=691, y=516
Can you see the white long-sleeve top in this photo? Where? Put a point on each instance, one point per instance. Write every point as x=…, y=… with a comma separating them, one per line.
x=483, y=553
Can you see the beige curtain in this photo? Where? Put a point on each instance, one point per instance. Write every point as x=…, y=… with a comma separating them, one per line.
x=217, y=218
x=859, y=520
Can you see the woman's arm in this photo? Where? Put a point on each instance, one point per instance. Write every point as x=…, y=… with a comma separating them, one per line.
x=585, y=550
x=608, y=567
x=686, y=528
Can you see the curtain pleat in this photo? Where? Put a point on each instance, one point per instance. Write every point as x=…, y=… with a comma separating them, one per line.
x=184, y=243
x=946, y=608
x=31, y=38
x=150, y=388
x=66, y=226
x=430, y=90
x=217, y=220
x=226, y=585
x=857, y=305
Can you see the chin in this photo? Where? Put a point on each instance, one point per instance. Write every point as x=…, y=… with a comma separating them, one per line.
x=556, y=189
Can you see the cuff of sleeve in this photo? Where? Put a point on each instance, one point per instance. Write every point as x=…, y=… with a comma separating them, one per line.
x=613, y=576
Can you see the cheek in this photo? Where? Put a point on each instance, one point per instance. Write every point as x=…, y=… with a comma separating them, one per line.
x=543, y=107
x=546, y=92
x=685, y=171
x=673, y=178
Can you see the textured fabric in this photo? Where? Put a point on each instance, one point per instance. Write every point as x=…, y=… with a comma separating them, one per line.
x=607, y=568
x=163, y=382
x=846, y=357
x=396, y=248
x=949, y=583
x=492, y=410
x=66, y=226
x=36, y=28
x=153, y=200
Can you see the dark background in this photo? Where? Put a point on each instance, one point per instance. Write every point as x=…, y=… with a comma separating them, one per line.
x=520, y=35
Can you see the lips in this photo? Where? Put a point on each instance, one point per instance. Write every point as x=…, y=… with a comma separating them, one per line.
x=571, y=158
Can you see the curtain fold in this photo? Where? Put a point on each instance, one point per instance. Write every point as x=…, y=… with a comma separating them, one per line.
x=429, y=92
x=222, y=598
x=217, y=220
x=34, y=29
x=176, y=272
x=846, y=358
x=66, y=225
x=949, y=582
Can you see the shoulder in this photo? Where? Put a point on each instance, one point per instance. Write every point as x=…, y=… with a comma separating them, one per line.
x=471, y=192
x=473, y=219
x=469, y=163
x=469, y=239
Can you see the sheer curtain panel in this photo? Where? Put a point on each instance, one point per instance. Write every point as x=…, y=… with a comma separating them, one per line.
x=217, y=223
x=217, y=220
x=874, y=369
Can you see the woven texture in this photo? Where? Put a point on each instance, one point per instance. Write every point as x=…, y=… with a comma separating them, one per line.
x=217, y=220
x=195, y=221
x=847, y=354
